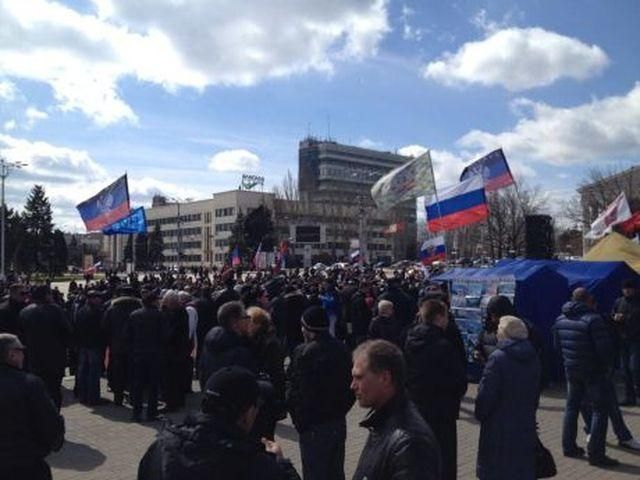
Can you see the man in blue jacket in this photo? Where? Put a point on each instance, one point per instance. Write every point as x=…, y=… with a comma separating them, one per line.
x=581, y=335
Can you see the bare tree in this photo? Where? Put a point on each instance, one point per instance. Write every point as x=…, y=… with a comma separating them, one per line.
x=288, y=188
x=602, y=185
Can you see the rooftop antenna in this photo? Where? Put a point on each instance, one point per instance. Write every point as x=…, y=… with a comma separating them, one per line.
x=329, y=127
x=308, y=129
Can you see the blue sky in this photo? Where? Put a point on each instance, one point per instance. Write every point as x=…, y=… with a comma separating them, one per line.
x=185, y=96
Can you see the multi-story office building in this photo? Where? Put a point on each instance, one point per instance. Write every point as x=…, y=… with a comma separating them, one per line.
x=333, y=216
x=337, y=179
x=194, y=233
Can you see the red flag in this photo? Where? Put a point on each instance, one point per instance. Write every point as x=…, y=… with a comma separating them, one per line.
x=631, y=226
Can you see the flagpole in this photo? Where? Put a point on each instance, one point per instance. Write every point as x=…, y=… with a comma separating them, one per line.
x=435, y=192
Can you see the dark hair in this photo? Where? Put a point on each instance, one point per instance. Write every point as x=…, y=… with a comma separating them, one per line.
x=8, y=341
x=430, y=309
x=499, y=306
x=230, y=313
x=628, y=283
x=383, y=356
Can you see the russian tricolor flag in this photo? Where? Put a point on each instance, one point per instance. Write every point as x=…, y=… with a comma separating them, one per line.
x=458, y=206
x=107, y=206
x=494, y=170
x=433, y=250
x=236, y=261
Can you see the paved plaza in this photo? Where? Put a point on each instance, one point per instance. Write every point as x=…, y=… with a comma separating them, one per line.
x=102, y=444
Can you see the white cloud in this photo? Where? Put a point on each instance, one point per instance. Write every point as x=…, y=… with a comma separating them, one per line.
x=412, y=150
x=69, y=177
x=239, y=160
x=34, y=115
x=8, y=91
x=410, y=32
x=368, y=143
x=9, y=125
x=605, y=129
x=178, y=44
x=518, y=59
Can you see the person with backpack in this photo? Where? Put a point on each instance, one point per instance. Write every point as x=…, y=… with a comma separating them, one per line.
x=216, y=443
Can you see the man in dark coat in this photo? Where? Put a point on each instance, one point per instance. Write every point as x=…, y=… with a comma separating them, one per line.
x=46, y=331
x=385, y=325
x=318, y=397
x=506, y=406
x=295, y=303
x=206, y=319
x=11, y=308
x=436, y=379
x=400, y=444
x=227, y=344
x=178, y=354
x=31, y=427
x=626, y=317
x=360, y=316
x=217, y=443
x=115, y=325
x=147, y=337
x=89, y=340
x=405, y=307
x=580, y=333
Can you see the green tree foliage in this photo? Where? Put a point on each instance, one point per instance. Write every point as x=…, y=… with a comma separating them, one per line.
x=142, y=250
x=37, y=220
x=251, y=229
x=237, y=238
x=155, y=246
x=60, y=257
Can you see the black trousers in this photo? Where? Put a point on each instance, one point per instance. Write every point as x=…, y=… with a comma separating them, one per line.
x=446, y=433
x=146, y=380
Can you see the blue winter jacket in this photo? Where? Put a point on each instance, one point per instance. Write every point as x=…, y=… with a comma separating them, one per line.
x=582, y=337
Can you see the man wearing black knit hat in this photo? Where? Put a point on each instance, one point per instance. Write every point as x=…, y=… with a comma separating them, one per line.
x=319, y=397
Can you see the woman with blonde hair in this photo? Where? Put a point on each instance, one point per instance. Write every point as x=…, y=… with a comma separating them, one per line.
x=506, y=406
x=267, y=350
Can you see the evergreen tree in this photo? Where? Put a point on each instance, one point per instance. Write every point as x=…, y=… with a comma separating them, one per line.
x=155, y=246
x=128, y=249
x=237, y=238
x=258, y=228
x=38, y=227
x=142, y=251
x=60, y=252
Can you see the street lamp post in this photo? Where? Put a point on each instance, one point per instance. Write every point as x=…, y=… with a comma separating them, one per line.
x=5, y=168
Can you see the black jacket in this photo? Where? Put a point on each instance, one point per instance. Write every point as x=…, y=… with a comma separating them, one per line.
x=46, y=332
x=386, y=328
x=115, y=323
x=436, y=377
x=31, y=426
x=10, y=316
x=88, y=331
x=270, y=358
x=295, y=303
x=400, y=446
x=584, y=340
x=224, y=348
x=630, y=308
x=206, y=317
x=319, y=380
x=147, y=332
x=404, y=306
x=205, y=448
x=177, y=330
x=360, y=315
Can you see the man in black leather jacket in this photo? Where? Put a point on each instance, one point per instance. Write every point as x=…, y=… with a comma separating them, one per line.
x=31, y=426
x=401, y=446
x=217, y=444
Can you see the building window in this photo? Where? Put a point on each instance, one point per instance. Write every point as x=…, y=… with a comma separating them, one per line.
x=225, y=212
x=224, y=227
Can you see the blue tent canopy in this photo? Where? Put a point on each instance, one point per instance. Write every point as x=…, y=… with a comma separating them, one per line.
x=602, y=279
x=540, y=293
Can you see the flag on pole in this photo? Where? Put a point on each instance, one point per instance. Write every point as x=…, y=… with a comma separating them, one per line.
x=136, y=222
x=631, y=226
x=256, y=257
x=617, y=212
x=235, y=257
x=93, y=269
x=494, y=170
x=107, y=206
x=411, y=180
x=394, y=228
x=433, y=250
x=457, y=206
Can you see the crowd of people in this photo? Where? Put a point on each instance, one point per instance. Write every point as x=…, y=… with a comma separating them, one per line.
x=261, y=346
